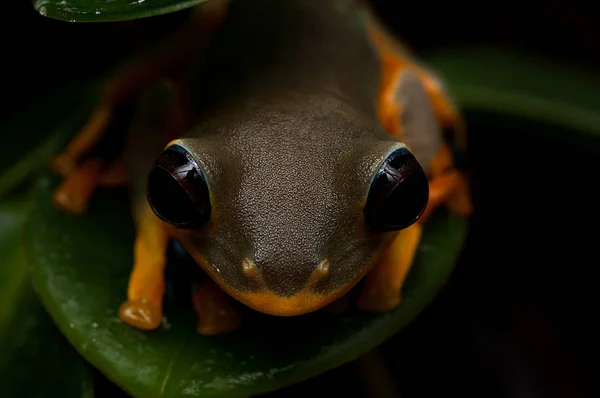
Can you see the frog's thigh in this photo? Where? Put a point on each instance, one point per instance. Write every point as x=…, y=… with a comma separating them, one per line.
x=143, y=309
x=215, y=313
x=383, y=285
x=390, y=101
x=443, y=105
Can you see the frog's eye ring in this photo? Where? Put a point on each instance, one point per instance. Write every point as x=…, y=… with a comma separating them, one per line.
x=398, y=195
x=177, y=191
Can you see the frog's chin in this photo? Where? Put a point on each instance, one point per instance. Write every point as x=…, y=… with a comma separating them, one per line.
x=303, y=302
x=265, y=300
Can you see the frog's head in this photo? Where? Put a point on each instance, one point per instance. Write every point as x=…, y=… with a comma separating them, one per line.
x=290, y=211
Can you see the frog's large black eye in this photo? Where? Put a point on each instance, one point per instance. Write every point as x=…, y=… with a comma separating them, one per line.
x=399, y=193
x=177, y=191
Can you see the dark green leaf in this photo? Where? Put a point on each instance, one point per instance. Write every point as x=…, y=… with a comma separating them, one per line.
x=81, y=267
x=35, y=360
x=522, y=85
x=32, y=136
x=109, y=10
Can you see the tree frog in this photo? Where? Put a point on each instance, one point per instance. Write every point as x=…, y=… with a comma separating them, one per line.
x=301, y=154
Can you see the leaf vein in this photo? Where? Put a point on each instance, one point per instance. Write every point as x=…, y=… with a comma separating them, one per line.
x=169, y=370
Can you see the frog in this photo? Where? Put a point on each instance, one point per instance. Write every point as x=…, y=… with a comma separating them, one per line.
x=301, y=151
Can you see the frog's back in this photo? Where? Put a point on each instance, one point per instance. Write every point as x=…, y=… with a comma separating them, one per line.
x=268, y=49
x=280, y=63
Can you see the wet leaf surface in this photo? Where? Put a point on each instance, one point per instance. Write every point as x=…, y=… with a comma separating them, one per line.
x=36, y=359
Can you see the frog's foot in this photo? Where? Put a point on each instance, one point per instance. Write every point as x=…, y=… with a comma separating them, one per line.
x=382, y=289
x=447, y=187
x=215, y=313
x=142, y=314
x=451, y=189
x=75, y=192
x=143, y=309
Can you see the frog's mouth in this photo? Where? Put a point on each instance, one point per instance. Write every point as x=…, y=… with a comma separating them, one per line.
x=306, y=300
x=309, y=298
x=265, y=300
x=303, y=302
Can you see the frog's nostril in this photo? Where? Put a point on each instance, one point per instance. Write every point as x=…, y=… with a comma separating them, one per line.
x=288, y=293
x=284, y=279
x=250, y=269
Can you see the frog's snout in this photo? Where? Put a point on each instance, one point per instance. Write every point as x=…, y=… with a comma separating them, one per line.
x=279, y=295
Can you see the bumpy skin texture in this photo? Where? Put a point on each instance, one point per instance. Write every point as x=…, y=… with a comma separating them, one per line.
x=288, y=198
x=289, y=141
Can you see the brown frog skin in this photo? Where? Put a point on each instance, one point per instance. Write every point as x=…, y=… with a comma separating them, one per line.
x=314, y=156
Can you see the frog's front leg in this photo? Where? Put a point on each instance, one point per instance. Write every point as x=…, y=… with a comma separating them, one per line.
x=383, y=285
x=143, y=308
x=382, y=289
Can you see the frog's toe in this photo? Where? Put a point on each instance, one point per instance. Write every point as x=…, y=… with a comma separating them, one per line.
x=379, y=301
x=74, y=193
x=142, y=314
x=215, y=313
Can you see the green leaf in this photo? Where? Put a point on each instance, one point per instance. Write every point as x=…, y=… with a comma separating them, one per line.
x=523, y=85
x=109, y=10
x=35, y=358
x=33, y=135
x=81, y=268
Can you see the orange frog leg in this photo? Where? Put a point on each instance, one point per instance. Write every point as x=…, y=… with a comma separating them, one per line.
x=383, y=285
x=447, y=186
x=143, y=308
x=168, y=58
x=395, y=58
x=215, y=312
x=74, y=193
